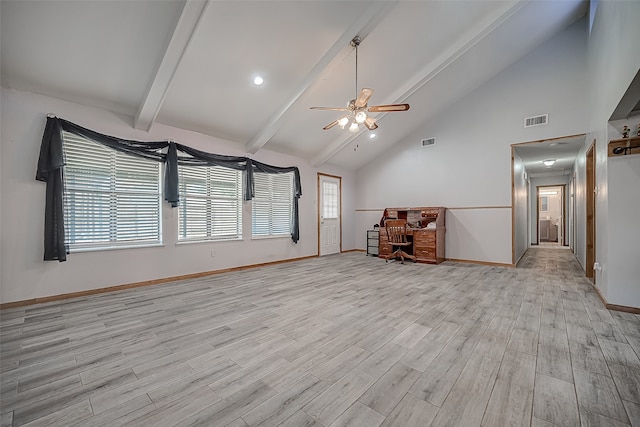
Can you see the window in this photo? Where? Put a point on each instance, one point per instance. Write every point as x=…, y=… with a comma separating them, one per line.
x=272, y=205
x=210, y=203
x=111, y=199
x=544, y=204
x=329, y=200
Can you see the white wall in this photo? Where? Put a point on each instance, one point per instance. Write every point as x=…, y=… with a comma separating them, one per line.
x=613, y=63
x=623, y=183
x=470, y=165
x=624, y=231
x=25, y=276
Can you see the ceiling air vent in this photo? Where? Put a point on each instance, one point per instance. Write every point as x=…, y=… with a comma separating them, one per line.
x=536, y=121
x=428, y=142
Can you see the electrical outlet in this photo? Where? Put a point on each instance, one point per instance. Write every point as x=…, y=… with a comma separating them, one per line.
x=213, y=254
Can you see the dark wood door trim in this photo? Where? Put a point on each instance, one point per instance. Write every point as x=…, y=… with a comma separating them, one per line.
x=591, y=211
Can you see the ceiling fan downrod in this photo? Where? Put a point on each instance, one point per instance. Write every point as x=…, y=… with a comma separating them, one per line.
x=355, y=43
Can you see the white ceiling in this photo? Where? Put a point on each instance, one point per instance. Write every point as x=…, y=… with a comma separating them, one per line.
x=563, y=150
x=190, y=64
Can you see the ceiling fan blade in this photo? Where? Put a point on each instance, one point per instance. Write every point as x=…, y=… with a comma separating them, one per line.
x=363, y=97
x=370, y=123
x=337, y=122
x=330, y=108
x=390, y=107
x=330, y=125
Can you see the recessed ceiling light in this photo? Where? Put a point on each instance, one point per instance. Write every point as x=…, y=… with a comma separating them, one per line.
x=548, y=163
x=372, y=135
x=258, y=80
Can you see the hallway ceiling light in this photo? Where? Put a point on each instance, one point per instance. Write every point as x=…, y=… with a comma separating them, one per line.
x=549, y=163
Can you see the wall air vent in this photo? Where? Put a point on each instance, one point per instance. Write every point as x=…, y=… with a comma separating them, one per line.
x=540, y=120
x=428, y=142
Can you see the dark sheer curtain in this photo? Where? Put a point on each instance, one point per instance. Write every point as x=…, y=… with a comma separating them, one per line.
x=51, y=168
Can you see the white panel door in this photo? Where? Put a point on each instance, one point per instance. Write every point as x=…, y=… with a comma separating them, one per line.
x=329, y=214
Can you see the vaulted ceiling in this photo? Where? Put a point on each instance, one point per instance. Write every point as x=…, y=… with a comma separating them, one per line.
x=191, y=64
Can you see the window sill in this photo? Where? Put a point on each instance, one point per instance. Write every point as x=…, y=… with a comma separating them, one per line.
x=208, y=241
x=115, y=248
x=279, y=236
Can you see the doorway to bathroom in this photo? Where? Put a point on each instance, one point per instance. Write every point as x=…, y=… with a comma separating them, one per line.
x=551, y=215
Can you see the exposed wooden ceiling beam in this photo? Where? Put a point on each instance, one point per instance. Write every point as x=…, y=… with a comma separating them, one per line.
x=187, y=25
x=334, y=55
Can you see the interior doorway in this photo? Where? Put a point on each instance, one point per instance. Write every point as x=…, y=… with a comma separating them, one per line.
x=548, y=162
x=551, y=215
x=329, y=214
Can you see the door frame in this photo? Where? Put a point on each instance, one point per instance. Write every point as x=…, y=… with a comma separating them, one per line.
x=563, y=202
x=318, y=211
x=572, y=207
x=590, y=236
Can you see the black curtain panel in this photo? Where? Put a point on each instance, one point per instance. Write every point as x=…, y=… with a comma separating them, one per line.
x=51, y=169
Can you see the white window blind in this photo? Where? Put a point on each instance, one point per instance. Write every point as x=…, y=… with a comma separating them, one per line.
x=272, y=205
x=210, y=203
x=111, y=199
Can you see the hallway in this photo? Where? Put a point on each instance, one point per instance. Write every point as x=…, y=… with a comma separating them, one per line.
x=589, y=352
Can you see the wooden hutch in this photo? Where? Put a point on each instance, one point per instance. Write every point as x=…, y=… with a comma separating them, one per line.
x=425, y=229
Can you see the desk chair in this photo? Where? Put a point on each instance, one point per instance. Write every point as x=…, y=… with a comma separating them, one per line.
x=397, y=235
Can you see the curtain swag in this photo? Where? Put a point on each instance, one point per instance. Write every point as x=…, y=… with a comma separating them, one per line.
x=51, y=164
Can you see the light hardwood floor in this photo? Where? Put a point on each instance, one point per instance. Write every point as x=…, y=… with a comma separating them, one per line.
x=344, y=340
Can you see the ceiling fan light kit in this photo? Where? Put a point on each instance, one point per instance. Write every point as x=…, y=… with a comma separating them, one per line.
x=357, y=108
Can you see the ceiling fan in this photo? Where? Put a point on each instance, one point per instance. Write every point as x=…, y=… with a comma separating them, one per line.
x=357, y=108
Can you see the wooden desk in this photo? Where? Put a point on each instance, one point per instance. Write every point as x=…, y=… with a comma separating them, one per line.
x=428, y=243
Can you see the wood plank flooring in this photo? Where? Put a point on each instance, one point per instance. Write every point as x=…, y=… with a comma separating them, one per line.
x=344, y=340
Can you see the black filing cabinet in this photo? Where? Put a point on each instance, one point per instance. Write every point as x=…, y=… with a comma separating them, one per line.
x=372, y=242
